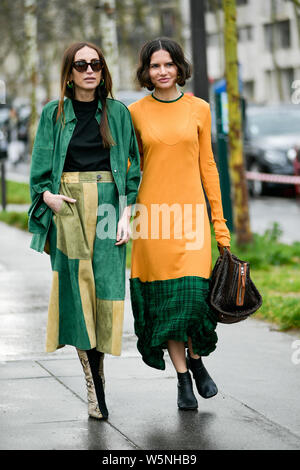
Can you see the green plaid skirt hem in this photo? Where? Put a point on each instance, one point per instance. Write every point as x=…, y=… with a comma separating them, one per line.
x=172, y=309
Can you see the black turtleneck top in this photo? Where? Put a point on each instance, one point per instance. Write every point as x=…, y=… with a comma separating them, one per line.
x=85, y=151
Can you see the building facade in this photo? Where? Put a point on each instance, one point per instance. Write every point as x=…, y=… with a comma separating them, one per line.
x=268, y=48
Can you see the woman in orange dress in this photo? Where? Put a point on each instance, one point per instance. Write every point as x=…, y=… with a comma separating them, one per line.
x=171, y=253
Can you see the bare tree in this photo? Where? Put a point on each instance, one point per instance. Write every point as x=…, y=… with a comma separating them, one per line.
x=109, y=42
x=274, y=48
x=30, y=28
x=297, y=16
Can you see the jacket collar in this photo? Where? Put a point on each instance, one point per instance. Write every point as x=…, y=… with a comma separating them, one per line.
x=69, y=110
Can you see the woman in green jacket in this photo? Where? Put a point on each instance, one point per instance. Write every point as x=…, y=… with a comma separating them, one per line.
x=84, y=178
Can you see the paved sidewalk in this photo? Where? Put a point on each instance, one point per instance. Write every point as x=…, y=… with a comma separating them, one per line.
x=43, y=397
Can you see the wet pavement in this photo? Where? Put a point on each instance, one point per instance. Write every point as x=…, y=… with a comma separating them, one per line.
x=267, y=210
x=43, y=398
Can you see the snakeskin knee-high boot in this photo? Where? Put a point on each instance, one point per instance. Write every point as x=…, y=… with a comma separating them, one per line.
x=92, y=364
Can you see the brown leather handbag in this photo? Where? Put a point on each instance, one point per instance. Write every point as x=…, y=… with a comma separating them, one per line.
x=233, y=295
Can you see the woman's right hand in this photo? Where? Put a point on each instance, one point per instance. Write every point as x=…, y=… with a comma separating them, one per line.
x=54, y=201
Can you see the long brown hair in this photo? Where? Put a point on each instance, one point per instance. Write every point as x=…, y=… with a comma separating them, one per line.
x=101, y=91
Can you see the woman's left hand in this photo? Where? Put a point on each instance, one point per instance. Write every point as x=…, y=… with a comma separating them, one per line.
x=221, y=248
x=123, y=231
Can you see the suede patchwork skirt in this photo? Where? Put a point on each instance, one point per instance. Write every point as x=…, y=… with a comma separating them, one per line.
x=86, y=306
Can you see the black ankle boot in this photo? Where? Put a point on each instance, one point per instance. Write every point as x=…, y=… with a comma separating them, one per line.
x=186, y=399
x=205, y=385
x=94, y=358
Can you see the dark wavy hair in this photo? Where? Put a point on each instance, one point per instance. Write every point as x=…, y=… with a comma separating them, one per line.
x=175, y=51
x=101, y=91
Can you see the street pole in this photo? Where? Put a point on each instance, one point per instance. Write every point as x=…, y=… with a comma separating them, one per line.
x=201, y=87
x=237, y=170
x=3, y=185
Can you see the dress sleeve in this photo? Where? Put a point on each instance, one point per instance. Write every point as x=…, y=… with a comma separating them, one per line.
x=210, y=180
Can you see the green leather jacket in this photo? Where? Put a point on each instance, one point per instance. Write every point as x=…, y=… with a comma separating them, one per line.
x=49, y=153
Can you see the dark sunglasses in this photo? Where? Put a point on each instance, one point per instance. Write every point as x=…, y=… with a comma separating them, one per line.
x=82, y=65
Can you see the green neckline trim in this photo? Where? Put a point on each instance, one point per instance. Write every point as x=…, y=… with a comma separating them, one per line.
x=163, y=101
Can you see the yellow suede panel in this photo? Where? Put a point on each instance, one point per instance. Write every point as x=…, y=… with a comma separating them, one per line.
x=53, y=316
x=118, y=318
x=110, y=314
x=85, y=274
x=71, y=239
x=90, y=197
x=88, y=297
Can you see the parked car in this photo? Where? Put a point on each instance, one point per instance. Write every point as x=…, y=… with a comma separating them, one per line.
x=23, y=123
x=271, y=143
x=130, y=96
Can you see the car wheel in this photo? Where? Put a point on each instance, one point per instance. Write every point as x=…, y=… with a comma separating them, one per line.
x=256, y=187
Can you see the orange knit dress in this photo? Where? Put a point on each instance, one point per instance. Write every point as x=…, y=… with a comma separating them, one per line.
x=171, y=252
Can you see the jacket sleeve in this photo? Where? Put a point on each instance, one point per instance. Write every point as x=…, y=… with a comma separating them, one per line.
x=131, y=108
x=140, y=145
x=41, y=173
x=133, y=176
x=210, y=179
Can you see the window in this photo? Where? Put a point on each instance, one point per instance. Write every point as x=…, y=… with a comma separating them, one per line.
x=284, y=34
x=277, y=35
x=213, y=5
x=214, y=39
x=245, y=34
x=287, y=77
x=279, y=84
x=268, y=33
x=248, y=90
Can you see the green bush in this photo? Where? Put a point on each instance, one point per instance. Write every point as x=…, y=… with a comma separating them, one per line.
x=17, y=219
x=16, y=193
x=266, y=250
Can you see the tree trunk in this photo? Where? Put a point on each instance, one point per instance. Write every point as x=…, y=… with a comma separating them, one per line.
x=30, y=27
x=297, y=16
x=274, y=49
x=109, y=40
x=237, y=170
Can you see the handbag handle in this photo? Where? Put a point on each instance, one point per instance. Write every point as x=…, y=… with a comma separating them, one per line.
x=221, y=249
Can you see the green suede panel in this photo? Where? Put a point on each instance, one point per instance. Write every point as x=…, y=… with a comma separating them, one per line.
x=72, y=328
x=109, y=259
